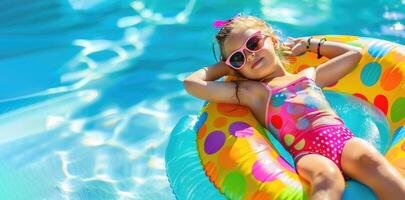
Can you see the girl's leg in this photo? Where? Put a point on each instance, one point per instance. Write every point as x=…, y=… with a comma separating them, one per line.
x=361, y=161
x=325, y=179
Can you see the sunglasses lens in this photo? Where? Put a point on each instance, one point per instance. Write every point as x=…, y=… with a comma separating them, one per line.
x=254, y=43
x=237, y=59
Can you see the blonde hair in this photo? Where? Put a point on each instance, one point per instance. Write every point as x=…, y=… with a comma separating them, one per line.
x=249, y=22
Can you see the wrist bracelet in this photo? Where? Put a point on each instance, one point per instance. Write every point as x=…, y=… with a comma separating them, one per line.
x=309, y=42
x=321, y=41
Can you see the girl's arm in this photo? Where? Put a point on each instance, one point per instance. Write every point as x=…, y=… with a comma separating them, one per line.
x=343, y=58
x=202, y=84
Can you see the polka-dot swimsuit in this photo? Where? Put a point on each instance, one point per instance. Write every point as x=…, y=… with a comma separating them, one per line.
x=301, y=118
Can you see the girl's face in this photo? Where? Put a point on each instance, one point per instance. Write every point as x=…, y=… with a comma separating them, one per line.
x=258, y=64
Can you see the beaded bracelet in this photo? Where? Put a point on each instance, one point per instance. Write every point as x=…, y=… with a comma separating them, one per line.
x=321, y=41
x=309, y=42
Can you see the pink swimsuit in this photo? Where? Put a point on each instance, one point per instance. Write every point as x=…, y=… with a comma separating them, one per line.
x=301, y=118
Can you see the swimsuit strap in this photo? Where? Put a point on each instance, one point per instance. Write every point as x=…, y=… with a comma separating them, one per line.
x=266, y=85
x=308, y=75
x=275, y=90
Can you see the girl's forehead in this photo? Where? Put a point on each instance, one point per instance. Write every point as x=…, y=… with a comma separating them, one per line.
x=236, y=38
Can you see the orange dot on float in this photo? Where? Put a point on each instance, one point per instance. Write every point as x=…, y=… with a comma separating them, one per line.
x=202, y=131
x=292, y=59
x=260, y=195
x=391, y=78
x=382, y=103
x=360, y=96
x=276, y=121
x=232, y=110
x=228, y=158
x=403, y=146
x=302, y=67
x=220, y=122
x=211, y=171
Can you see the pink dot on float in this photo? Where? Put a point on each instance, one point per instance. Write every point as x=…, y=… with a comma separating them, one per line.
x=263, y=172
x=241, y=129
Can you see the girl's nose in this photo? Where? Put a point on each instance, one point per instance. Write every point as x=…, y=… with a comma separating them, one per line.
x=250, y=55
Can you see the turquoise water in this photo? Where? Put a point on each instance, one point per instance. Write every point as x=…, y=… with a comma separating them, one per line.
x=90, y=89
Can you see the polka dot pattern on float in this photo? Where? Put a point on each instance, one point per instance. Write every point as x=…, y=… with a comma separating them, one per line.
x=241, y=129
x=234, y=185
x=232, y=110
x=228, y=157
x=397, y=109
x=220, y=122
x=290, y=193
x=382, y=103
x=360, y=96
x=260, y=195
x=379, y=49
x=201, y=120
x=370, y=73
x=202, y=131
x=391, y=78
x=214, y=141
x=263, y=170
x=211, y=170
x=302, y=67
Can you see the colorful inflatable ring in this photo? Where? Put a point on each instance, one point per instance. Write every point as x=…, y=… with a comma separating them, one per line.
x=243, y=161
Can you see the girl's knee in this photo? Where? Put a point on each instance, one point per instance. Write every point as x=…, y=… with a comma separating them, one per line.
x=329, y=179
x=327, y=185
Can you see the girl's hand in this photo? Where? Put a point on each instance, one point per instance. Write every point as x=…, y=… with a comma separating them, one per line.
x=233, y=72
x=296, y=47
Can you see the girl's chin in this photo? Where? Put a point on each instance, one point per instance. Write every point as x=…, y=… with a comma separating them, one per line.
x=260, y=72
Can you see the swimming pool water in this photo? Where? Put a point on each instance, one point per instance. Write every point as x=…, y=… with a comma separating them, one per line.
x=90, y=89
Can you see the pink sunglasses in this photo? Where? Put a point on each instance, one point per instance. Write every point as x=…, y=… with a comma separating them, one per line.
x=253, y=43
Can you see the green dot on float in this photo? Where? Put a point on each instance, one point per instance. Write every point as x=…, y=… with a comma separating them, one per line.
x=292, y=193
x=234, y=185
x=397, y=109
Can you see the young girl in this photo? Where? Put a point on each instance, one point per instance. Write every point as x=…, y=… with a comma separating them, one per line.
x=250, y=49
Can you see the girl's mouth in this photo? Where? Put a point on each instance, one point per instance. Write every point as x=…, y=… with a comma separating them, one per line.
x=257, y=62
